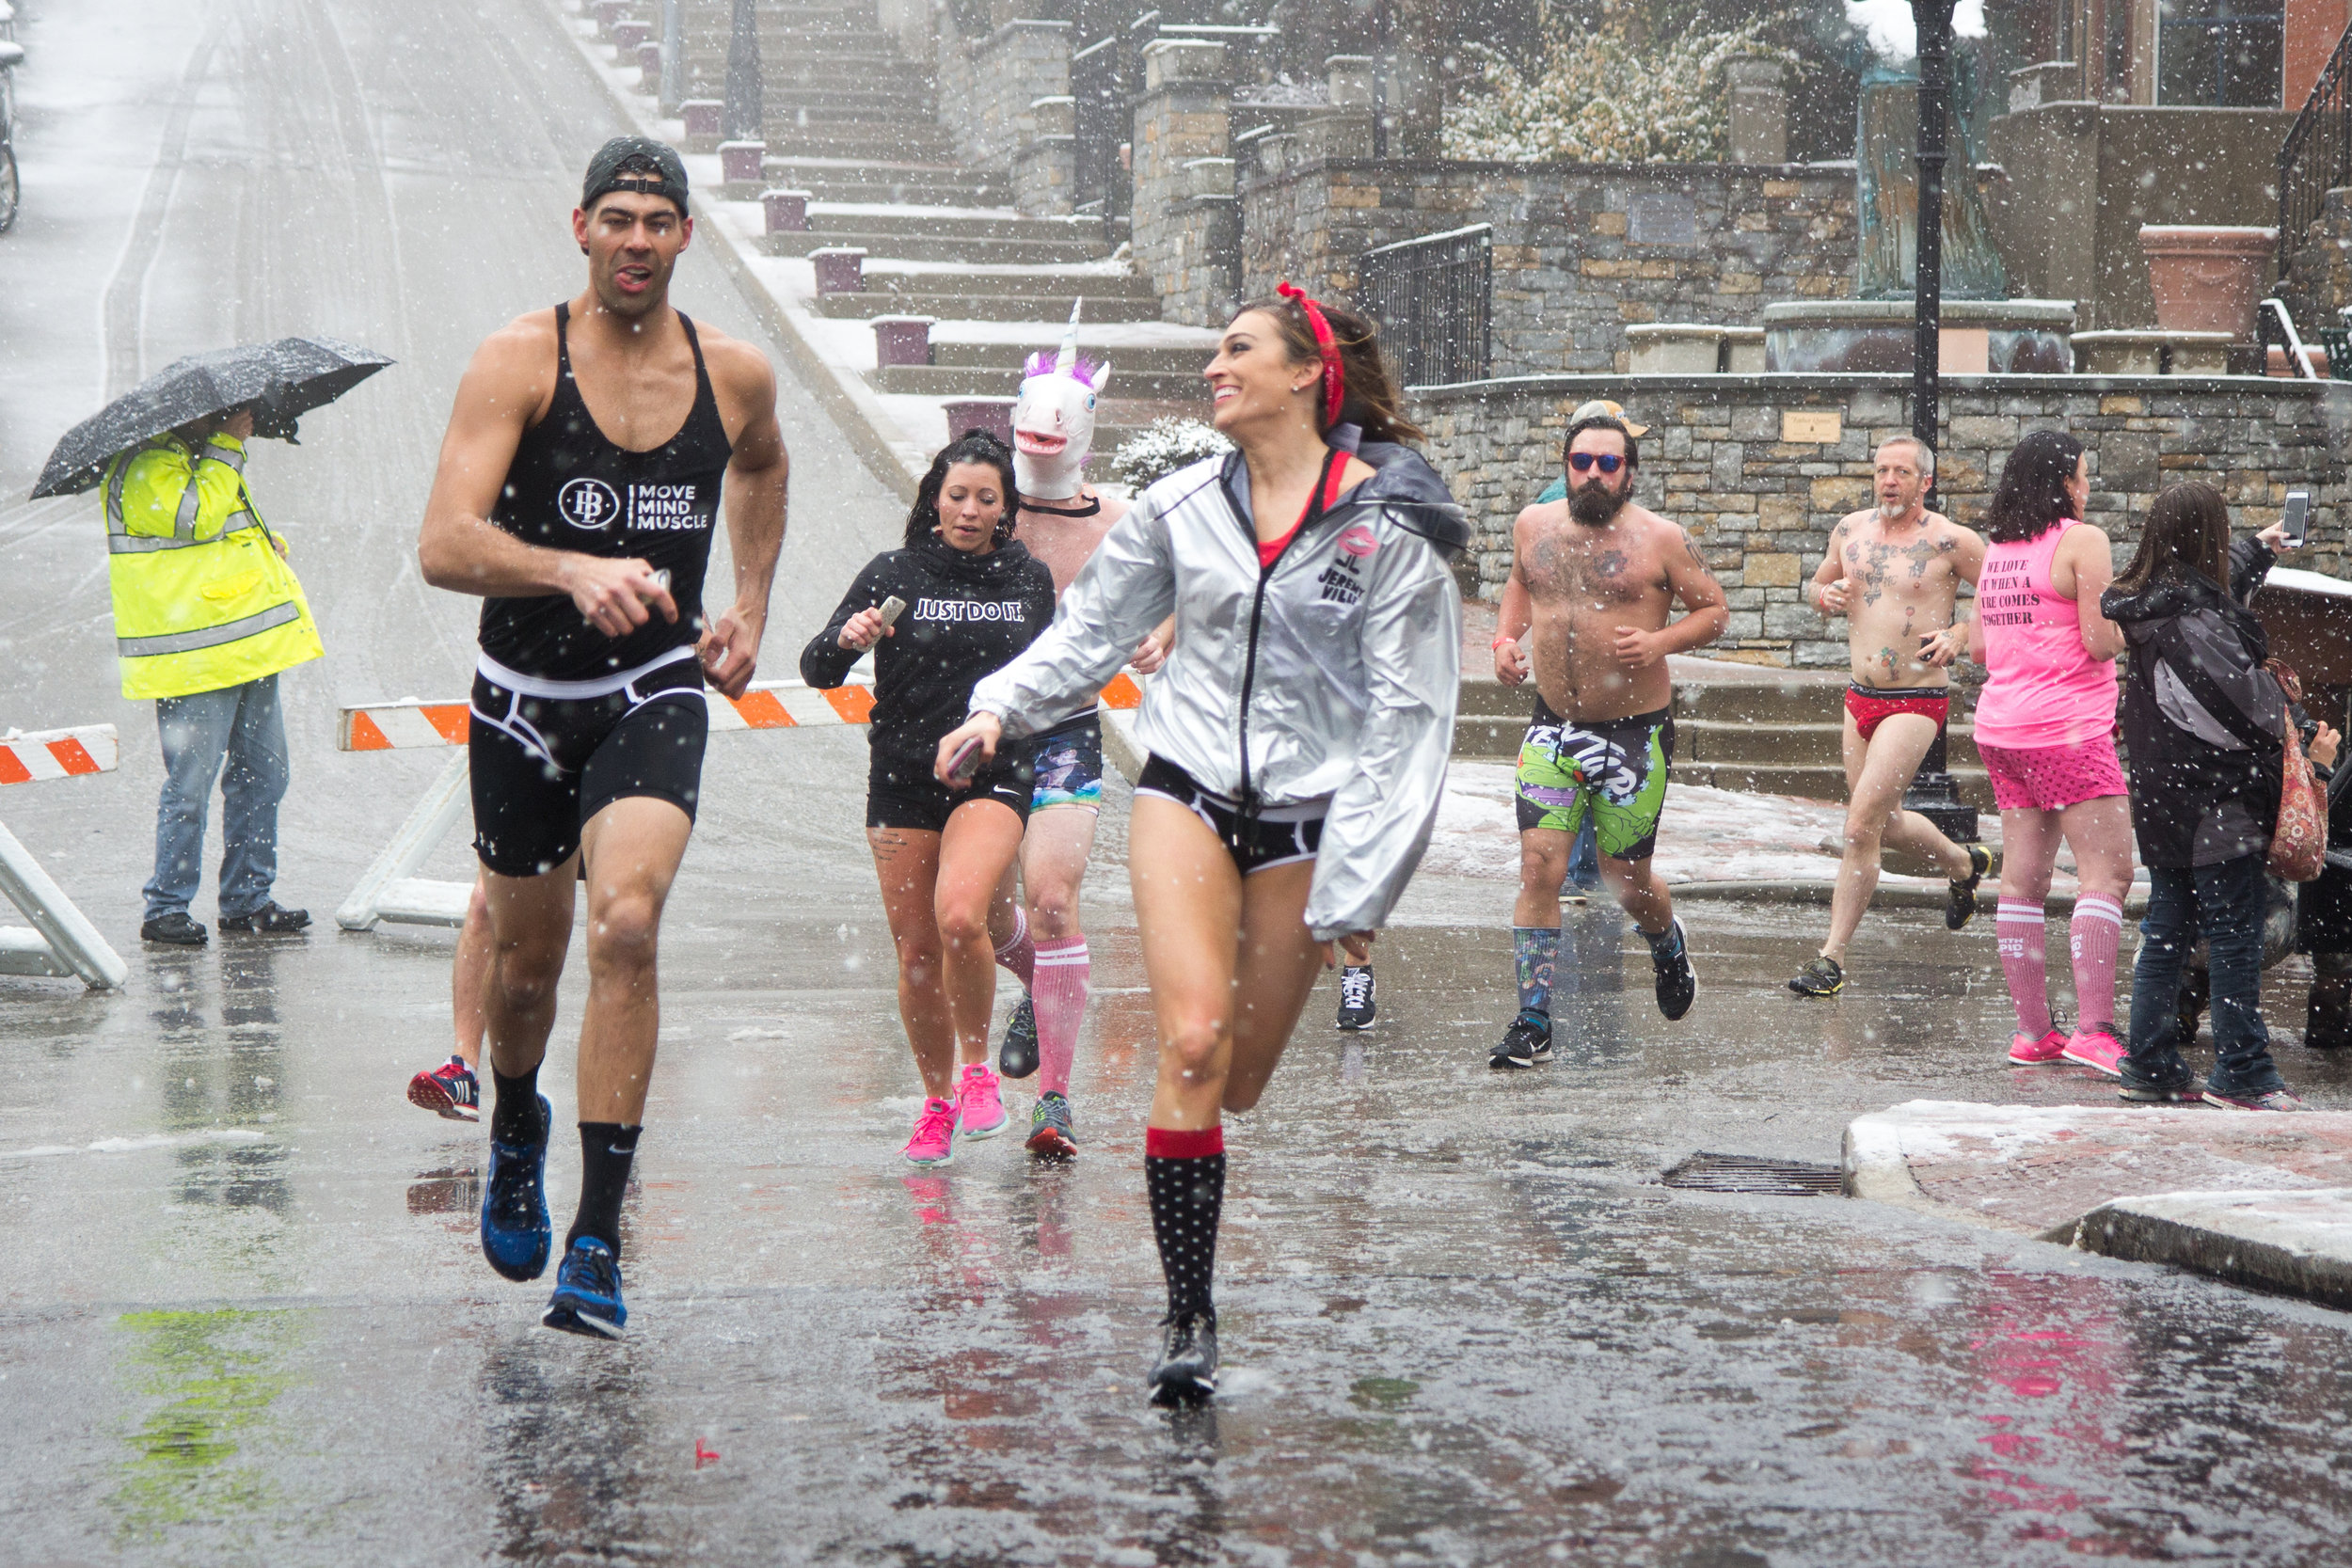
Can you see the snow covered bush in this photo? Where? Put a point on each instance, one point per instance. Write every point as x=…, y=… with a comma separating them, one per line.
x=1598, y=100
x=1163, y=447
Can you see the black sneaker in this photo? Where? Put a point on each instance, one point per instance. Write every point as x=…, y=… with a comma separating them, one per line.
x=1823, y=976
x=270, y=920
x=1670, y=957
x=2166, y=1081
x=175, y=930
x=1357, y=1009
x=1960, y=907
x=1187, y=1370
x=1017, y=1056
x=1527, y=1041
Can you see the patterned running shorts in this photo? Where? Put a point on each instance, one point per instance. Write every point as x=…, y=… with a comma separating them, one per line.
x=1615, y=768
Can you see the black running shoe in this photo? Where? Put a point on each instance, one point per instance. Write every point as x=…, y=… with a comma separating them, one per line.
x=1017, y=1056
x=175, y=929
x=1527, y=1041
x=270, y=920
x=1356, y=1008
x=587, y=1297
x=1670, y=957
x=1187, y=1370
x=515, y=1229
x=1823, y=976
x=1960, y=907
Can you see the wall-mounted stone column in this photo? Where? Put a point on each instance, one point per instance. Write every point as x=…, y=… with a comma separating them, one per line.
x=990, y=88
x=1045, y=170
x=1759, y=111
x=1186, y=222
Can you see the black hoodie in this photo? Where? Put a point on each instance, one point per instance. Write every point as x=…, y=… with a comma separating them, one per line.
x=2204, y=722
x=966, y=616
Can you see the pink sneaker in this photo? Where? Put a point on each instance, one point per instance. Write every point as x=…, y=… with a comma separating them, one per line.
x=2025, y=1050
x=2094, y=1045
x=978, y=1105
x=934, y=1140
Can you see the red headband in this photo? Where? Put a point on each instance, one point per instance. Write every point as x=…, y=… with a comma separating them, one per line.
x=1334, y=377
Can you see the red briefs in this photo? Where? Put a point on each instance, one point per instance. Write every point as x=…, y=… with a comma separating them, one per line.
x=1872, y=708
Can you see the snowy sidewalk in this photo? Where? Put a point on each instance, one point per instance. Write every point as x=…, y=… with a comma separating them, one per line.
x=2261, y=1199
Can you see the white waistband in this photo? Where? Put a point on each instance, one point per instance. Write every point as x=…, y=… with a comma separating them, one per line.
x=603, y=685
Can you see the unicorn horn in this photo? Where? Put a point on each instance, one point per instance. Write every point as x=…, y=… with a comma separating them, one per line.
x=1067, y=360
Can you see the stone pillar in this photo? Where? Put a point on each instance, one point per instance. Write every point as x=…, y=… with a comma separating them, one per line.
x=1046, y=167
x=1759, y=111
x=1187, y=223
x=1005, y=76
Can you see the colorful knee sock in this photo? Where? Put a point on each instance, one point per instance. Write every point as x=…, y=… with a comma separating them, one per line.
x=2095, y=934
x=1019, y=954
x=1536, y=948
x=1184, y=1175
x=1059, y=1000
x=2017, y=929
x=607, y=1149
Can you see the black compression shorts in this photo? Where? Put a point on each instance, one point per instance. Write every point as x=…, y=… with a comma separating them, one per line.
x=544, y=766
x=904, y=794
x=1278, y=835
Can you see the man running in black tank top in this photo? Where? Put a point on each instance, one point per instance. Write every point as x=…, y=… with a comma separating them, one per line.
x=578, y=487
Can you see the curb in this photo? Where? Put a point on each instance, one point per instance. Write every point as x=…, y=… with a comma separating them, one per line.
x=1870, y=1160
x=1789, y=891
x=2224, y=1235
x=848, y=400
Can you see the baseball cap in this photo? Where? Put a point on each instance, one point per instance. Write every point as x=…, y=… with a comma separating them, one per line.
x=639, y=164
x=1601, y=408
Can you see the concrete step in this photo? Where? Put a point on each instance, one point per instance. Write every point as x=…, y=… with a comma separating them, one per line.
x=1812, y=784
x=1811, y=745
x=906, y=142
x=886, y=182
x=962, y=381
x=880, y=278
x=983, y=307
x=879, y=101
x=1125, y=360
x=919, y=223
x=908, y=248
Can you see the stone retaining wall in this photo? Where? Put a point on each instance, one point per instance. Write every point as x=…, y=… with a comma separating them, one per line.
x=1759, y=491
x=993, y=88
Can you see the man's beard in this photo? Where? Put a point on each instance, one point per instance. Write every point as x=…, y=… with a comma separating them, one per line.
x=1890, y=513
x=1594, y=502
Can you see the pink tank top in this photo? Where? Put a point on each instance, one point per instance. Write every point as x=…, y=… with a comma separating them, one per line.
x=2042, y=687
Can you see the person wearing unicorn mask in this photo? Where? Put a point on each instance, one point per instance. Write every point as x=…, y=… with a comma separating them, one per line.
x=1061, y=521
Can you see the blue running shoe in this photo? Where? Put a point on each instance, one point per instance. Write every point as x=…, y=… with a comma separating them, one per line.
x=587, y=1297
x=515, y=1230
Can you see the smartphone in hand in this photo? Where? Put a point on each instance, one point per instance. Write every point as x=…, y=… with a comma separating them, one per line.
x=2295, y=521
x=965, y=763
x=891, y=608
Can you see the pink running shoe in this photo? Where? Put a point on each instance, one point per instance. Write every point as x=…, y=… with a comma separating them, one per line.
x=934, y=1140
x=979, y=1106
x=2094, y=1046
x=2025, y=1050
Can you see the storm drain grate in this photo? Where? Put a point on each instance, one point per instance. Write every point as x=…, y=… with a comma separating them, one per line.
x=1741, y=1173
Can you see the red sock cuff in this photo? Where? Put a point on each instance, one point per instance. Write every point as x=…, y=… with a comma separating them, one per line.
x=1168, y=1143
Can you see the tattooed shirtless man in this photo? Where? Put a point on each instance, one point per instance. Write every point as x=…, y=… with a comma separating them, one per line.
x=1593, y=579
x=1894, y=571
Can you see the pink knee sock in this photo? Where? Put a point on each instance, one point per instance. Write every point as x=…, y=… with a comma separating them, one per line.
x=1059, y=998
x=1019, y=954
x=2096, y=933
x=2017, y=929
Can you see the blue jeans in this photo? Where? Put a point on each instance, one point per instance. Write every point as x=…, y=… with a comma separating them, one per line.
x=239, y=725
x=1584, y=856
x=2226, y=901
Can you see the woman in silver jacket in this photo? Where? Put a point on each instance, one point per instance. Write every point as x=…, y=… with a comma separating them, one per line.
x=1298, y=736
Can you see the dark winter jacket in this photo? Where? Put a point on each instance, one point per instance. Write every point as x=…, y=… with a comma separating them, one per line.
x=2204, y=722
x=966, y=616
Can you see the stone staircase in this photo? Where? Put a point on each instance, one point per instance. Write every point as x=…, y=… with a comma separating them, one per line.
x=853, y=122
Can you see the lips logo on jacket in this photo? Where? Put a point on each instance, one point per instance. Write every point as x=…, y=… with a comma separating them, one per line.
x=1358, y=542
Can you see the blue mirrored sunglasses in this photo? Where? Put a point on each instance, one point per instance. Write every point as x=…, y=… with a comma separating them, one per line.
x=1610, y=462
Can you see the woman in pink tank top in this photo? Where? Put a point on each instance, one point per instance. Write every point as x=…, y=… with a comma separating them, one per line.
x=2045, y=728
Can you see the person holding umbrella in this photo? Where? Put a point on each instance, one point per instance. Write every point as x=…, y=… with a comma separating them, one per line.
x=207, y=612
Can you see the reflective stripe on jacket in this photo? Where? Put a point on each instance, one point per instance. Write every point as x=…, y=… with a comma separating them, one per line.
x=203, y=599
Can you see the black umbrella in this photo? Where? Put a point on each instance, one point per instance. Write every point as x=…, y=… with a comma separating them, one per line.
x=280, y=381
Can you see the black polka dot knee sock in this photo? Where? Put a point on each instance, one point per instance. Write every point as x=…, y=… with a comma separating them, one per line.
x=1184, y=1173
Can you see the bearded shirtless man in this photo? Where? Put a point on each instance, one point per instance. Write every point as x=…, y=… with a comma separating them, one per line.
x=1894, y=571
x=1594, y=577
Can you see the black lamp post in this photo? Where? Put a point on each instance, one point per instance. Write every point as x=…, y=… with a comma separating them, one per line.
x=1933, y=793
x=742, y=116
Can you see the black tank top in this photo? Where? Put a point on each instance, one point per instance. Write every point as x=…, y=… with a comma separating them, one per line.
x=569, y=488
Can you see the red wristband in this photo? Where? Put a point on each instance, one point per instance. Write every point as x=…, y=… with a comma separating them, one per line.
x=1500, y=640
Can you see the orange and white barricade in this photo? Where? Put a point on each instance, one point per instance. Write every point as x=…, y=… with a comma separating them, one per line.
x=62, y=941
x=391, y=890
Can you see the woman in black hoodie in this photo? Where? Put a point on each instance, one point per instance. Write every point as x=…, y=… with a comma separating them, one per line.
x=2205, y=725
x=973, y=599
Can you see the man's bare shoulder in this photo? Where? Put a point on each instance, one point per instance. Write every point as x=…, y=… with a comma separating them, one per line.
x=736, y=366
x=1949, y=535
x=1653, y=529
x=1540, y=516
x=525, y=346
x=1853, y=525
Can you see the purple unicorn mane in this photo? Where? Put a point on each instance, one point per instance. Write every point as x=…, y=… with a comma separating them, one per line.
x=1041, y=363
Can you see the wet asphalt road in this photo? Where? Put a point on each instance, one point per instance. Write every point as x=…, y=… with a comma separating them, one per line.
x=243, y=1318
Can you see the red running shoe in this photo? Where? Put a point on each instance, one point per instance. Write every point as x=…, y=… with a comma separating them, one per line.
x=448, y=1091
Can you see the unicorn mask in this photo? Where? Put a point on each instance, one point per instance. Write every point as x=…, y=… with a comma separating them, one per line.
x=1053, y=420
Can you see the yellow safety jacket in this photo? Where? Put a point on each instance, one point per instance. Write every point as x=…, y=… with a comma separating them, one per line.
x=203, y=598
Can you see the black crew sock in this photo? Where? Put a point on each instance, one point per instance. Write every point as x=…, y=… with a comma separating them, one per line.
x=1187, y=1193
x=514, y=1113
x=606, y=1151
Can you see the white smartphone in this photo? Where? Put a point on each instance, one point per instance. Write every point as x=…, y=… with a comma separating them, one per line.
x=892, y=607
x=2295, y=520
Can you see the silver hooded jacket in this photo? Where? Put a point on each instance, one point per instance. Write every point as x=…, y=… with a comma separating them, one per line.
x=1333, y=674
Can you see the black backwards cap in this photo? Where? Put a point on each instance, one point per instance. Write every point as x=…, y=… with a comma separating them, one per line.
x=637, y=163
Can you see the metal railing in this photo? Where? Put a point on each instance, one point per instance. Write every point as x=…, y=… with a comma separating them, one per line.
x=2317, y=154
x=1105, y=115
x=1434, y=300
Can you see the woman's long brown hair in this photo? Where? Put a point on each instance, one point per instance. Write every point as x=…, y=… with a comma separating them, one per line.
x=2188, y=528
x=1371, y=401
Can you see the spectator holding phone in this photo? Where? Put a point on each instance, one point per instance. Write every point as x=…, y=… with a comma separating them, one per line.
x=2205, y=722
x=971, y=598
